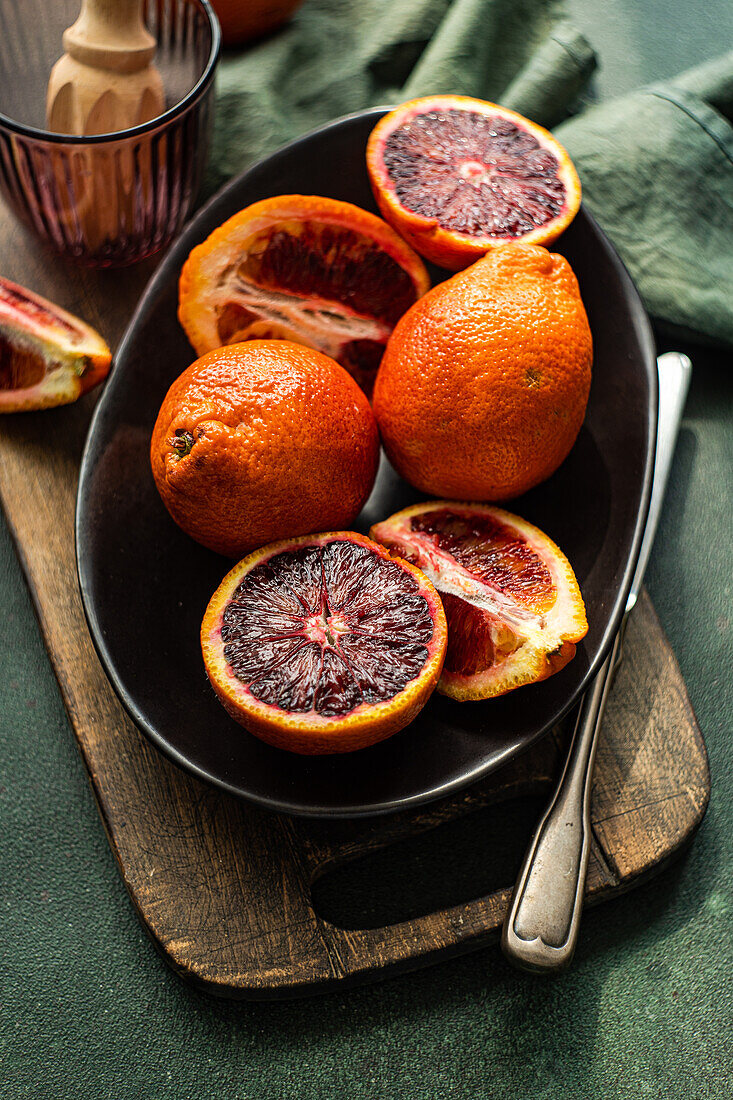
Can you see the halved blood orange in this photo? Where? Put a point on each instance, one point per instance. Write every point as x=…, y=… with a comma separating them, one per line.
x=48, y=357
x=456, y=175
x=324, y=643
x=514, y=609
x=312, y=270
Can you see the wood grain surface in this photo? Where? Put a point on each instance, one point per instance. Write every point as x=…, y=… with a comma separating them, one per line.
x=224, y=888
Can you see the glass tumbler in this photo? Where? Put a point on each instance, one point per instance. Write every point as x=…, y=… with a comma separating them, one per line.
x=109, y=199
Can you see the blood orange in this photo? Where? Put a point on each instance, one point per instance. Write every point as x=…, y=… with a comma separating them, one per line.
x=456, y=175
x=503, y=349
x=48, y=357
x=260, y=441
x=324, y=644
x=243, y=20
x=303, y=268
x=514, y=609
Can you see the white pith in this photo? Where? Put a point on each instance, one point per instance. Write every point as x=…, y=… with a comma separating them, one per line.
x=68, y=334
x=450, y=577
x=324, y=325
x=317, y=628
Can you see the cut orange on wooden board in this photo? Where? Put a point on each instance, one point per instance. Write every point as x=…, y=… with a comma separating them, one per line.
x=513, y=605
x=456, y=175
x=313, y=270
x=48, y=357
x=324, y=644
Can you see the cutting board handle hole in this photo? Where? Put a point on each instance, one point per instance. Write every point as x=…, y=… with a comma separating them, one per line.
x=469, y=857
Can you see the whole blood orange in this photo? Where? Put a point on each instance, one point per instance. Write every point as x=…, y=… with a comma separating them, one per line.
x=242, y=20
x=324, y=644
x=261, y=440
x=456, y=176
x=317, y=271
x=48, y=357
x=514, y=609
x=484, y=384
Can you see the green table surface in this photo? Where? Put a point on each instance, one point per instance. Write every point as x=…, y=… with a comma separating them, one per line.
x=88, y=1009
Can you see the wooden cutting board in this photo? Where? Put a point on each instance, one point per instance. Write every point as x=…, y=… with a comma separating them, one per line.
x=223, y=888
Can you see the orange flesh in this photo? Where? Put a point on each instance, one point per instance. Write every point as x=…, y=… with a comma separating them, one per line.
x=330, y=262
x=477, y=174
x=492, y=553
x=495, y=589
x=327, y=285
x=20, y=367
x=47, y=357
x=307, y=269
x=34, y=311
x=326, y=629
x=331, y=646
x=477, y=640
x=512, y=605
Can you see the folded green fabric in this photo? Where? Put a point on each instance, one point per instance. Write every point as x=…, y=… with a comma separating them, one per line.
x=657, y=172
x=656, y=165
x=337, y=56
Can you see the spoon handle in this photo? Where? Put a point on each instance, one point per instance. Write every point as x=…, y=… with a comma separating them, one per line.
x=541, y=929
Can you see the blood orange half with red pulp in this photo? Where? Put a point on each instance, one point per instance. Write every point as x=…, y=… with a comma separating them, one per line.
x=456, y=176
x=313, y=270
x=325, y=643
x=513, y=605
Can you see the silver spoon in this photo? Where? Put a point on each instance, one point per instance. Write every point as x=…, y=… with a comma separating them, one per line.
x=541, y=927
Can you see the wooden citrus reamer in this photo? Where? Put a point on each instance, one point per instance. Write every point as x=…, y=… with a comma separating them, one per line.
x=106, y=80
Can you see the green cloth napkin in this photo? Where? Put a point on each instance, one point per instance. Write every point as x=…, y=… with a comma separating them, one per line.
x=656, y=166
x=657, y=172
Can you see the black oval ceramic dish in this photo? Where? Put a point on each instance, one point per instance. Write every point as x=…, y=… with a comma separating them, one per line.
x=145, y=584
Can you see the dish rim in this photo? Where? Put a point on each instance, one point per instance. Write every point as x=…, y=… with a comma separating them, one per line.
x=473, y=775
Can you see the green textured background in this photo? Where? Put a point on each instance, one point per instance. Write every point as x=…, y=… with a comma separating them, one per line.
x=88, y=1009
